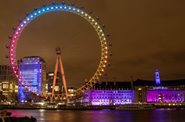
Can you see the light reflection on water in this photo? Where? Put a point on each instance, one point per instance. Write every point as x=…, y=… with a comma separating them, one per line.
x=102, y=115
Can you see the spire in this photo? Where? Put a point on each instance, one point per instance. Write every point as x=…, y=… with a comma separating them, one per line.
x=157, y=77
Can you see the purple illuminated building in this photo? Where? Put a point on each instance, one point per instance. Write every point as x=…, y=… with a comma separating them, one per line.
x=168, y=91
x=109, y=97
x=110, y=93
x=165, y=96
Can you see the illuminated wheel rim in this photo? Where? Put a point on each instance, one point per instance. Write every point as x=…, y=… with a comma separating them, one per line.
x=66, y=8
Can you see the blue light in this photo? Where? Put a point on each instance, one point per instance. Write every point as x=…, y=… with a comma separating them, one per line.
x=56, y=7
x=52, y=8
x=30, y=76
x=31, y=16
x=65, y=7
x=69, y=8
x=157, y=77
x=35, y=14
x=39, y=11
x=43, y=10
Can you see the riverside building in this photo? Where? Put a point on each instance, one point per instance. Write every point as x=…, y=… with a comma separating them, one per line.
x=33, y=75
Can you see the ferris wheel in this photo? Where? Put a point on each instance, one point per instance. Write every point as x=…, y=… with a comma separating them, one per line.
x=54, y=7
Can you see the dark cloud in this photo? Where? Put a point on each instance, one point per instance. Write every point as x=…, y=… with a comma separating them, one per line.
x=145, y=35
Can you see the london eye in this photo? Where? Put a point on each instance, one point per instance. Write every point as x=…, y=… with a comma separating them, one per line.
x=54, y=7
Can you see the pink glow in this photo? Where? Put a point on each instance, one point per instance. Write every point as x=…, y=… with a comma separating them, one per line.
x=165, y=96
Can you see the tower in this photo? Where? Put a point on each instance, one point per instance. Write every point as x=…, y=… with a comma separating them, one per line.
x=59, y=63
x=33, y=75
x=157, y=77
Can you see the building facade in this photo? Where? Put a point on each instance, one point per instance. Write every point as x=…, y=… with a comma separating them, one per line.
x=8, y=84
x=168, y=91
x=140, y=91
x=58, y=87
x=33, y=75
x=110, y=93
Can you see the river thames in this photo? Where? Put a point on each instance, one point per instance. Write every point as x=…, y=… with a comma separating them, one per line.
x=158, y=115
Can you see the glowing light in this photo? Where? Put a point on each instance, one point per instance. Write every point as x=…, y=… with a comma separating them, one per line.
x=46, y=9
x=165, y=96
x=108, y=97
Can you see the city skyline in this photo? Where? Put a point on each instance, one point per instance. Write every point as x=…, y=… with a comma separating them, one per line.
x=155, y=40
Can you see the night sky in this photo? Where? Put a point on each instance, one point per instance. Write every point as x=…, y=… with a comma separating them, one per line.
x=145, y=35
